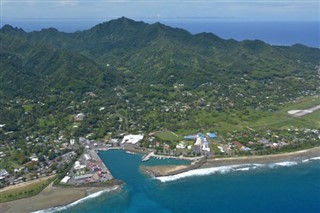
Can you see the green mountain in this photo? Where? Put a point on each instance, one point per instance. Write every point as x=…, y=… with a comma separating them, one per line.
x=30, y=69
x=154, y=76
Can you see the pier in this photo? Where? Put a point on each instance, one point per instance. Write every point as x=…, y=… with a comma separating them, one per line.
x=147, y=157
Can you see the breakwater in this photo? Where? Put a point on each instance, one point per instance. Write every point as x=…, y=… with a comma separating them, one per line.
x=158, y=173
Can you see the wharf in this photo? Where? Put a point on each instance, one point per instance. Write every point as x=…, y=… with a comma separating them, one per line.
x=102, y=166
x=147, y=157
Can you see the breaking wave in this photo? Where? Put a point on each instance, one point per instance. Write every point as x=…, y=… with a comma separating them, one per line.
x=207, y=171
x=89, y=197
x=231, y=168
x=285, y=163
x=311, y=159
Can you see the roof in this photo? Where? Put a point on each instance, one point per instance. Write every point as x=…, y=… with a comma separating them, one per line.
x=238, y=144
x=132, y=139
x=200, y=134
x=211, y=135
x=82, y=176
x=65, y=179
x=189, y=137
x=3, y=173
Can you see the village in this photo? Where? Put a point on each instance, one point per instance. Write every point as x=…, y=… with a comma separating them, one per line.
x=87, y=166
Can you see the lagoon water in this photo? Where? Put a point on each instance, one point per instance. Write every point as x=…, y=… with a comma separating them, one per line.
x=283, y=187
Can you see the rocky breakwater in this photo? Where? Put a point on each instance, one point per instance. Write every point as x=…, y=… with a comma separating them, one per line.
x=167, y=170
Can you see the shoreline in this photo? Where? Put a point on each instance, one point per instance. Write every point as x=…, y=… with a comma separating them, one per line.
x=264, y=159
x=162, y=171
x=52, y=197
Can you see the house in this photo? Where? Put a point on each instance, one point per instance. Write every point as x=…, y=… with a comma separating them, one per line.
x=79, y=117
x=238, y=144
x=3, y=174
x=241, y=146
x=72, y=141
x=181, y=145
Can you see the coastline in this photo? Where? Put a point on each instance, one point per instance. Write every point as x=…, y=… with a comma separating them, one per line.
x=264, y=159
x=162, y=171
x=52, y=197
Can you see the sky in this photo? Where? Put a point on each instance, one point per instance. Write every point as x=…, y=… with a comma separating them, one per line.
x=73, y=15
x=79, y=10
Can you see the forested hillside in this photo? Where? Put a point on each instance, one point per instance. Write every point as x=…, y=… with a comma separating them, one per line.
x=145, y=77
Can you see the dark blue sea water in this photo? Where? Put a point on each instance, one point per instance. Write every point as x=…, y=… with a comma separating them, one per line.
x=283, y=187
x=276, y=33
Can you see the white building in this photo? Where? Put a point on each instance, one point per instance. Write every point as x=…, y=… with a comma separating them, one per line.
x=78, y=166
x=72, y=141
x=132, y=139
x=181, y=145
x=87, y=157
x=65, y=179
x=203, y=143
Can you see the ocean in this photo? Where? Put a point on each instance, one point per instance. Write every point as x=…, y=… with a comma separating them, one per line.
x=275, y=33
x=280, y=187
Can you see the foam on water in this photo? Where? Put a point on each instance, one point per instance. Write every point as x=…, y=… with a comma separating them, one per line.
x=206, y=171
x=231, y=168
x=285, y=163
x=244, y=169
x=315, y=158
x=60, y=208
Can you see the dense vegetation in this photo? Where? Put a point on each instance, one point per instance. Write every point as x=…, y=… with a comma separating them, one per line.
x=128, y=76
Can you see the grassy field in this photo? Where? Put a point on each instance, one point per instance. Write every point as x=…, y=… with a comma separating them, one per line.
x=281, y=118
x=168, y=136
x=25, y=190
x=223, y=123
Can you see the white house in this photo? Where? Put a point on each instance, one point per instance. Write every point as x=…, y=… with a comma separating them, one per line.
x=3, y=174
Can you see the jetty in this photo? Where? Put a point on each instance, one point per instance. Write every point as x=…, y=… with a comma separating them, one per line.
x=147, y=157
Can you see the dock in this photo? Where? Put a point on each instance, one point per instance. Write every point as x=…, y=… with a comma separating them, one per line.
x=100, y=163
x=147, y=157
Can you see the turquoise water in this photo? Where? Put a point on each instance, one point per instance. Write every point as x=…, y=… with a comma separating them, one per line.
x=284, y=187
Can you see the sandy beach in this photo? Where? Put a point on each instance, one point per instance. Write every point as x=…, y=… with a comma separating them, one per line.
x=50, y=197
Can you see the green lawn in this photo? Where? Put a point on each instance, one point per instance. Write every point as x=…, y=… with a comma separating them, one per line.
x=281, y=118
x=168, y=136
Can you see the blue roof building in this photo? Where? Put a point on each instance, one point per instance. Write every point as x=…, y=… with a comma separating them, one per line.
x=201, y=135
x=190, y=137
x=211, y=135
